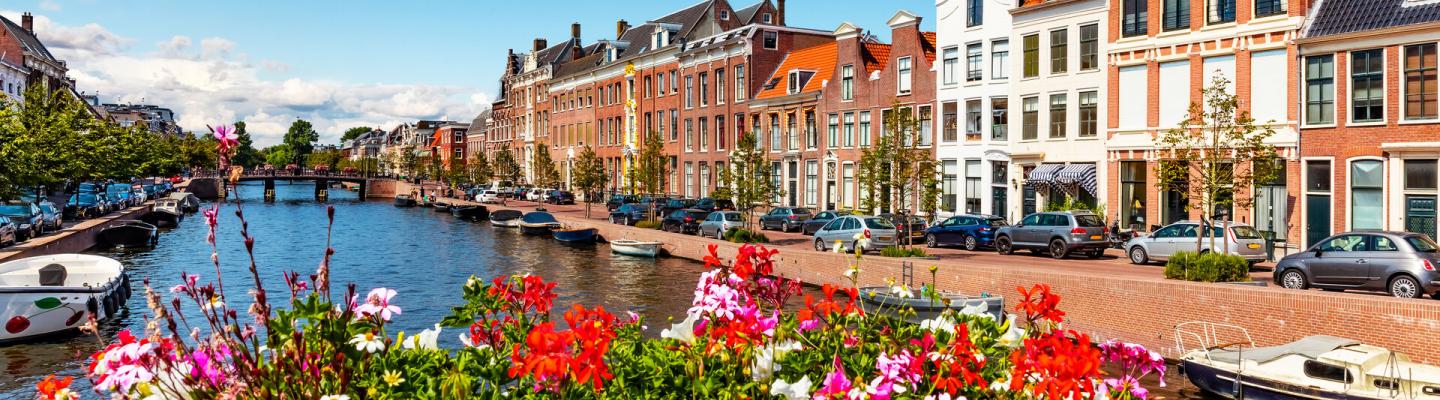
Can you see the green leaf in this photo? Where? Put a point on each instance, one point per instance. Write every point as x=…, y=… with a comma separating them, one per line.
x=47, y=303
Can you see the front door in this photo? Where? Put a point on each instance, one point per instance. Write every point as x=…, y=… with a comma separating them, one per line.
x=1317, y=218
x=1420, y=214
x=997, y=202
x=793, y=187
x=1027, y=205
x=1270, y=210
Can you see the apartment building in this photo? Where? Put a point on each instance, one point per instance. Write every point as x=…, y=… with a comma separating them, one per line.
x=792, y=95
x=975, y=75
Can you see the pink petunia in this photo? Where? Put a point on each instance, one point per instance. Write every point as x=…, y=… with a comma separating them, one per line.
x=378, y=303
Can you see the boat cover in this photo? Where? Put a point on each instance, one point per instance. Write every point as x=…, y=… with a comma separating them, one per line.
x=538, y=218
x=504, y=215
x=1310, y=347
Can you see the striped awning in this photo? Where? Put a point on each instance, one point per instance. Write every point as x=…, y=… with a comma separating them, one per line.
x=1082, y=175
x=1043, y=176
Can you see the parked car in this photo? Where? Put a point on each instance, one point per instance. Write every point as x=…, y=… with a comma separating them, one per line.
x=52, y=217
x=915, y=229
x=819, y=220
x=560, y=197
x=1058, y=233
x=535, y=194
x=843, y=230
x=27, y=218
x=141, y=197
x=1240, y=239
x=683, y=221
x=1400, y=263
x=718, y=222
x=629, y=214
x=84, y=206
x=120, y=195
x=713, y=204
x=617, y=200
x=671, y=205
x=785, y=218
x=489, y=196
x=8, y=232
x=970, y=230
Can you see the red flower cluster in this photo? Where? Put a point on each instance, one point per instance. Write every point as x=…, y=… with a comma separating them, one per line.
x=533, y=293
x=829, y=306
x=756, y=268
x=55, y=389
x=550, y=357
x=957, y=365
x=1039, y=304
x=1060, y=364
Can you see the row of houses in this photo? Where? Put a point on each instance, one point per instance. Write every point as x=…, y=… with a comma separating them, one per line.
x=1023, y=105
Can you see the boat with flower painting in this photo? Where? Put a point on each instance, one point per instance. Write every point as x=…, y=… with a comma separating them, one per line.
x=49, y=294
x=929, y=305
x=1224, y=361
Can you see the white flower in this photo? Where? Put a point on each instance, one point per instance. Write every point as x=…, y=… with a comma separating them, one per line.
x=785, y=347
x=1013, y=335
x=368, y=342
x=978, y=308
x=902, y=291
x=213, y=303
x=838, y=247
x=683, y=331
x=941, y=322
x=764, y=365
x=942, y=396
x=335, y=397
x=425, y=340
x=792, y=391
x=854, y=270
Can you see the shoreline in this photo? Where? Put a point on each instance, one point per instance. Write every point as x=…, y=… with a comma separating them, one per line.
x=74, y=239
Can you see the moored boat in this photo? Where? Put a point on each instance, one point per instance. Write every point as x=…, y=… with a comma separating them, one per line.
x=575, y=235
x=404, y=200
x=1222, y=360
x=538, y=223
x=162, y=218
x=506, y=218
x=472, y=213
x=128, y=234
x=441, y=207
x=55, y=293
x=186, y=201
x=635, y=248
x=883, y=299
x=169, y=205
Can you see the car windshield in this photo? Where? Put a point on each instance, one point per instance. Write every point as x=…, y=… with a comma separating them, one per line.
x=997, y=222
x=697, y=214
x=1245, y=232
x=1422, y=243
x=47, y=208
x=800, y=210
x=878, y=223
x=1089, y=221
x=732, y=217
x=86, y=198
x=14, y=210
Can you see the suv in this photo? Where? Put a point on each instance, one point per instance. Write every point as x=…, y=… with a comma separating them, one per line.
x=1400, y=263
x=1059, y=233
x=617, y=200
x=785, y=218
x=714, y=204
x=29, y=221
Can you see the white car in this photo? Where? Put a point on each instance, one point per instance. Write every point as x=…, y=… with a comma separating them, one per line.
x=535, y=194
x=488, y=196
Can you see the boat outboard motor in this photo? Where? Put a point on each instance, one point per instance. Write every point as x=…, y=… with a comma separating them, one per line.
x=52, y=275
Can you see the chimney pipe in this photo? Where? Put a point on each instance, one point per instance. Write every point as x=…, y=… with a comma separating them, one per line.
x=620, y=27
x=27, y=21
x=540, y=44
x=575, y=30
x=781, y=10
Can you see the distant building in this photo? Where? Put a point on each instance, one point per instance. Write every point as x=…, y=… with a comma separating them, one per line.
x=448, y=144
x=367, y=145
x=159, y=120
x=475, y=135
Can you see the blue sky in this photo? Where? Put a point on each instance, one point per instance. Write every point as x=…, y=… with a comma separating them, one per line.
x=341, y=64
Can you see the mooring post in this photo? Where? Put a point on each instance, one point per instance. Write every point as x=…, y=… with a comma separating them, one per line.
x=363, y=183
x=322, y=190
x=269, y=190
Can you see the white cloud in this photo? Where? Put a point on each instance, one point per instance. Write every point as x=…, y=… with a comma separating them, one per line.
x=49, y=5
x=215, y=83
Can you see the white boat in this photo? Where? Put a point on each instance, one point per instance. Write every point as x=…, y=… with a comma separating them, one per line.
x=506, y=218
x=55, y=293
x=1223, y=360
x=169, y=205
x=187, y=201
x=635, y=248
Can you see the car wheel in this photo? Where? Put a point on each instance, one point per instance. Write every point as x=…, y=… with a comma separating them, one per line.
x=820, y=245
x=1002, y=245
x=627, y=221
x=930, y=241
x=1057, y=249
x=971, y=243
x=1138, y=256
x=1095, y=254
x=1293, y=279
x=1405, y=286
x=612, y=219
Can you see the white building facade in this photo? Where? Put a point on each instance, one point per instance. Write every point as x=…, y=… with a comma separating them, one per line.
x=974, y=100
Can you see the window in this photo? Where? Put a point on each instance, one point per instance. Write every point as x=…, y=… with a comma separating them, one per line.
x=661, y=119
x=1059, y=51
x=949, y=173
x=660, y=87
x=720, y=137
x=812, y=181
x=949, y=119
x=973, y=55
x=689, y=180
x=1319, y=89
x=1031, y=56
x=832, y=134
x=674, y=82
x=1089, y=47
x=849, y=129
x=1221, y=11
x=1176, y=15
x=674, y=124
x=689, y=91
x=720, y=86
x=927, y=125
x=1057, y=115
x=649, y=85
x=1030, y=116
x=999, y=118
x=739, y=82
x=775, y=142
x=1367, y=208
x=1089, y=117
x=790, y=135
x=767, y=17
x=1317, y=176
x=972, y=186
x=1132, y=20
x=951, y=57
x=1320, y=370
x=812, y=135
x=1174, y=92
x=847, y=82
x=1132, y=193
x=974, y=12
x=902, y=80
x=689, y=134
x=1420, y=175
x=1265, y=8
x=864, y=128
x=1000, y=59
x=704, y=133
x=771, y=40
x=1420, y=81
x=1367, y=85
x=704, y=89
x=847, y=185
x=973, y=116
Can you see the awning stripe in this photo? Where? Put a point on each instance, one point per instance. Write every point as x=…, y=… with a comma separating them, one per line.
x=1082, y=175
x=1043, y=176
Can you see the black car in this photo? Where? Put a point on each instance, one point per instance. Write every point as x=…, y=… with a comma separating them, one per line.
x=629, y=214
x=84, y=206
x=713, y=204
x=814, y=223
x=683, y=221
x=669, y=206
x=914, y=229
x=29, y=221
x=560, y=197
x=52, y=217
x=785, y=218
x=617, y=200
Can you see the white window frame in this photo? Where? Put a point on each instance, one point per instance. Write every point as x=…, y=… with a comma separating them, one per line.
x=904, y=75
x=949, y=61
x=1305, y=190
x=1304, y=91
x=1350, y=190
x=1384, y=88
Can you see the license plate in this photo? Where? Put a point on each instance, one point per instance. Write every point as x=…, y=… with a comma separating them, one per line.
x=1094, y=237
x=884, y=238
x=1253, y=245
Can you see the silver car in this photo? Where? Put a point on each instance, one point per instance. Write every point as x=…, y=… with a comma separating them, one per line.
x=718, y=222
x=9, y=232
x=1400, y=263
x=844, y=230
x=1240, y=239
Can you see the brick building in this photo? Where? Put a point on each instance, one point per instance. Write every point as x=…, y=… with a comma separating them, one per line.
x=1161, y=55
x=1369, y=120
x=448, y=144
x=792, y=94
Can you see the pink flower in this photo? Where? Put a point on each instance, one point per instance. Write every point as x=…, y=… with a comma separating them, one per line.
x=212, y=218
x=836, y=383
x=378, y=303
x=226, y=137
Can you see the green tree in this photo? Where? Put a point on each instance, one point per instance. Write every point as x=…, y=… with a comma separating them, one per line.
x=328, y=158
x=543, y=168
x=1201, y=155
x=650, y=166
x=301, y=139
x=479, y=168
x=42, y=142
x=506, y=167
x=280, y=155
x=409, y=161
x=590, y=177
x=896, y=170
x=748, y=176
x=352, y=133
x=245, y=153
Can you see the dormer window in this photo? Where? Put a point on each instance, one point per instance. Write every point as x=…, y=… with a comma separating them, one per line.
x=766, y=17
x=724, y=15
x=798, y=79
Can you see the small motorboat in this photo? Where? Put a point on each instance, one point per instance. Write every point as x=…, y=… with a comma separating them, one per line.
x=470, y=213
x=168, y=205
x=538, y=223
x=162, y=218
x=404, y=200
x=506, y=218
x=186, y=201
x=878, y=299
x=575, y=235
x=1225, y=362
x=635, y=248
x=129, y=234
x=442, y=207
x=55, y=293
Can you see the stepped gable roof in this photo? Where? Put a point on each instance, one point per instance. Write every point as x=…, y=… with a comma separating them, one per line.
x=1334, y=17
x=819, y=59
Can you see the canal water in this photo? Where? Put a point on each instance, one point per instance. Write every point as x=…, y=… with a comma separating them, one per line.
x=424, y=255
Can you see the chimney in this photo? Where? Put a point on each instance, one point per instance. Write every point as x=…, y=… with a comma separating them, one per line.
x=780, y=19
x=27, y=21
x=540, y=44
x=620, y=27
x=575, y=30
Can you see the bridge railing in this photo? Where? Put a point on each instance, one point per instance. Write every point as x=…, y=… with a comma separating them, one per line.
x=283, y=173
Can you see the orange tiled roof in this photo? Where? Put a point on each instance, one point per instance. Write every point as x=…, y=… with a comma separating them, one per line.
x=929, y=39
x=881, y=52
x=820, y=59
x=435, y=139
